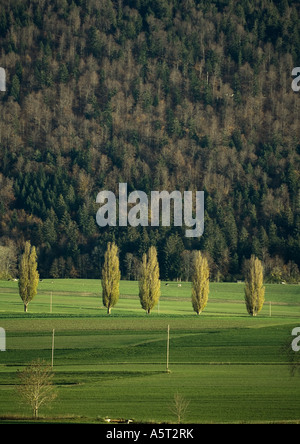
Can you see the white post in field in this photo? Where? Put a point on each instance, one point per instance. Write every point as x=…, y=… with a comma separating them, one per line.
x=53, y=332
x=168, y=348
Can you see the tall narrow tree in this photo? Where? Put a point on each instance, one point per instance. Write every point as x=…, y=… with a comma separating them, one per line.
x=28, y=275
x=149, y=283
x=200, y=283
x=254, y=288
x=111, y=277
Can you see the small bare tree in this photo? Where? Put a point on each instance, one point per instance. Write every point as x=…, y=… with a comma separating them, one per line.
x=179, y=407
x=36, y=387
x=8, y=261
x=290, y=349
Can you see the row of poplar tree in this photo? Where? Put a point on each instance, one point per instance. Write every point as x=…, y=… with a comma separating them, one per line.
x=149, y=280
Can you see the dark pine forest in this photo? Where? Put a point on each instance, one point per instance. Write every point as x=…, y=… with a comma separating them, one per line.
x=163, y=95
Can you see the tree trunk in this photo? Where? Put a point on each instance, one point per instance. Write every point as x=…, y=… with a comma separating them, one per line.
x=108, y=310
x=25, y=308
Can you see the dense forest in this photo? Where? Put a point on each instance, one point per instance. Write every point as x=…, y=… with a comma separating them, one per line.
x=161, y=95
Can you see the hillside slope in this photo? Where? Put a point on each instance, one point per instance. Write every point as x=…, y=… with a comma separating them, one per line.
x=163, y=95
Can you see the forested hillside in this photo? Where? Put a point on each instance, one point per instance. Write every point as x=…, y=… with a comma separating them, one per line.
x=163, y=95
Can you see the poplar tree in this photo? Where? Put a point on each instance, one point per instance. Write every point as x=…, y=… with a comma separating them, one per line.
x=254, y=289
x=200, y=283
x=149, y=283
x=28, y=275
x=111, y=277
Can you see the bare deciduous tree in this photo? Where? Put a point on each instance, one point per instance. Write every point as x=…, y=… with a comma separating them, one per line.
x=179, y=407
x=8, y=261
x=36, y=385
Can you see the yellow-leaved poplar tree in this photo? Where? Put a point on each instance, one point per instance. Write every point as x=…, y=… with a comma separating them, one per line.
x=149, y=283
x=200, y=283
x=28, y=275
x=111, y=277
x=254, y=288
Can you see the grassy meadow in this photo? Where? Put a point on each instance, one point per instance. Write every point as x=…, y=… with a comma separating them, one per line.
x=231, y=367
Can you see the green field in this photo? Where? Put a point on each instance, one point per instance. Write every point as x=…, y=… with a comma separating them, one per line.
x=229, y=366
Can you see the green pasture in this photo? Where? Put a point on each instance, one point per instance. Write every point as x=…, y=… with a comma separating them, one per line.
x=72, y=296
x=229, y=366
